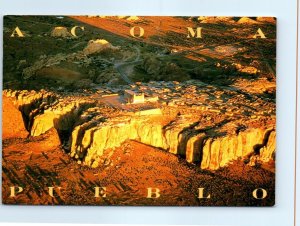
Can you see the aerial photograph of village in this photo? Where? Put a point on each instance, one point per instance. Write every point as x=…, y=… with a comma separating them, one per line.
x=139, y=110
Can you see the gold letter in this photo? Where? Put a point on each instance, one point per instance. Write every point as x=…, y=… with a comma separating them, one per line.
x=102, y=192
x=141, y=32
x=153, y=191
x=51, y=190
x=73, y=30
x=13, y=191
x=192, y=33
x=18, y=32
x=201, y=194
x=259, y=33
x=264, y=193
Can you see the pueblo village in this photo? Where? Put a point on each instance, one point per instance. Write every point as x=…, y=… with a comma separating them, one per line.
x=133, y=110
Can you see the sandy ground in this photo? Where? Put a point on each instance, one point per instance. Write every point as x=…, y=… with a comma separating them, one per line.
x=38, y=163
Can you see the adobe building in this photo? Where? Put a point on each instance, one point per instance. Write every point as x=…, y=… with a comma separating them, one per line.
x=133, y=97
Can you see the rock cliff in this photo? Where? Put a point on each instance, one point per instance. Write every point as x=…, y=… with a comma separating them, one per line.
x=89, y=129
x=209, y=151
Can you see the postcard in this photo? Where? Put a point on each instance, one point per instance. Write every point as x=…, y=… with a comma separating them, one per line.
x=139, y=110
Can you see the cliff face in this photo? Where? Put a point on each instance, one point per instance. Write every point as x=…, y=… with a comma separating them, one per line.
x=44, y=110
x=267, y=152
x=12, y=120
x=61, y=117
x=90, y=140
x=90, y=130
x=218, y=152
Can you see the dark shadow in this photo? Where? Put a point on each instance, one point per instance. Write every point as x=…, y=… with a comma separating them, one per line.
x=257, y=147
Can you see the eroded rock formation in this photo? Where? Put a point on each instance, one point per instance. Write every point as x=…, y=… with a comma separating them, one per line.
x=89, y=128
x=44, y=110
x=60, y=32
x=12, y=122
x=96, y=46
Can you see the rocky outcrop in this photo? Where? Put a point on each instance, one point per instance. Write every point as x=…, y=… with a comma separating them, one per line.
x=12, y=123
x=92, y=138
x=50, y=66
x=61, y=116
x=218, y=152
x=217, y=19
x=133, y=18
x=96, y=46
x=158, y=70
x=267, y=152
x=43, y=62
x=30, y=103
x=246, y=20
x=60, y=32
x=266, y=19
x=88, y=130
x=44, y=110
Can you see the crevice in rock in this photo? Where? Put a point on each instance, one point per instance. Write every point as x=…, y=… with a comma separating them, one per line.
x=257, y=147
x=66, y=123
x=86, y=130
x=35, y=107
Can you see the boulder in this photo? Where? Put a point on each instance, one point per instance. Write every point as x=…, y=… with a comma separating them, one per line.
x=96, y=46
x=60, y=32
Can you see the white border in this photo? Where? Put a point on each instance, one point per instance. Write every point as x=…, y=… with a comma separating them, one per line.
x=282, y=213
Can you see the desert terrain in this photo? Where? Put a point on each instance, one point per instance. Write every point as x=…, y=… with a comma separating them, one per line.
x=111, y=110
